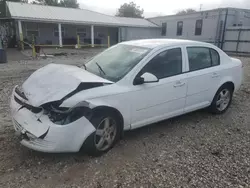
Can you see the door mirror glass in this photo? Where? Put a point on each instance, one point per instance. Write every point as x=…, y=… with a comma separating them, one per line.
x=149, y=78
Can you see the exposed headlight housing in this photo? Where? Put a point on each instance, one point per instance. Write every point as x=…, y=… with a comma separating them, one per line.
x=63, y=116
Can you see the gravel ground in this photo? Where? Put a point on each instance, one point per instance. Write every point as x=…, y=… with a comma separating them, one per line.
x=194, y=150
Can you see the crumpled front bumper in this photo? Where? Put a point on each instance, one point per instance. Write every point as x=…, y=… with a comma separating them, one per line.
x=37, y=132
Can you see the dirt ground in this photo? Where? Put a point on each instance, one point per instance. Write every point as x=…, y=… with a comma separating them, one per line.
x=194, y=150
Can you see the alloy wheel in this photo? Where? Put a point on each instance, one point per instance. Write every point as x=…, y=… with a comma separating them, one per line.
x=223, y=99
x=105, y=134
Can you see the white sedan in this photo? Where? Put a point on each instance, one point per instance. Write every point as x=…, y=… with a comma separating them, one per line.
x=61, y=108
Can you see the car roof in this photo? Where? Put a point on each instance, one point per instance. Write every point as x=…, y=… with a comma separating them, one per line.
x=153, y=43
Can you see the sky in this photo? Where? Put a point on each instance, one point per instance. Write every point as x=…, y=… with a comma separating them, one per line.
x=161, y=7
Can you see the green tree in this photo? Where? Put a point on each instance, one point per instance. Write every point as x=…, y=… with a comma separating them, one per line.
x=185, y=11
x=69, y=3
x=46, y=2
x=62, y=3
x=22, y=1
x=130, y=10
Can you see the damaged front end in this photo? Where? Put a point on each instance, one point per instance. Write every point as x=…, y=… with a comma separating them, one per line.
x=64, y=116
x=36, y=111
x=50, y=128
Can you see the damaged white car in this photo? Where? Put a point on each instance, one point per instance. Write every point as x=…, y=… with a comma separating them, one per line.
x=60, y=108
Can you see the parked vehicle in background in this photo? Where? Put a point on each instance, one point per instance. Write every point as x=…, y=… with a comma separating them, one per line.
x=61, y=108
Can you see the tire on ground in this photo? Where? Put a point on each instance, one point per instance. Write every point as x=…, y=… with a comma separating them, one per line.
x=213, y=107
x=89, y=145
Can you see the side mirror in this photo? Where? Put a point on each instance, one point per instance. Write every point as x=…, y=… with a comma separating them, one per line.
x=146, y=78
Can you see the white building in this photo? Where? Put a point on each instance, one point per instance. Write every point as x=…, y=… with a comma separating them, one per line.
x=51, y=25
x=228, y=28
x=208, y=26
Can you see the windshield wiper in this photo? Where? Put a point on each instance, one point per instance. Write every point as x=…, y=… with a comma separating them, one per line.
x=84, y=66
x=100, y=68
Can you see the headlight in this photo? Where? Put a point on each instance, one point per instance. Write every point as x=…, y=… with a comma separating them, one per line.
x=63, y=116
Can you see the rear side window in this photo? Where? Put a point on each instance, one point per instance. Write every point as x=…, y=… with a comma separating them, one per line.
x=201, y=58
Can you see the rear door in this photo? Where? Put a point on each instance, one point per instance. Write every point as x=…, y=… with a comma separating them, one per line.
x=202, y=76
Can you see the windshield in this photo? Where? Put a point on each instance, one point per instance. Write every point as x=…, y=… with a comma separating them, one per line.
x=114, y=63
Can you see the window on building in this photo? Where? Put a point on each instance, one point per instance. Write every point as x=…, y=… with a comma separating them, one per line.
x=100, y=35
x=81, y=32
x=165, y=64
x=201, y=58
x=163, y=29
x=56, y=32
x=32, y=30
x=179, y=28
x=1, y=44
x=198, y=27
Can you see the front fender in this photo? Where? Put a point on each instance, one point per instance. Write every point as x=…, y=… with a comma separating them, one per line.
x=120, y=105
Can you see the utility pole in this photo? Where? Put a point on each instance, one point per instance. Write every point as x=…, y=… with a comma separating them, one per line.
x=200, y=6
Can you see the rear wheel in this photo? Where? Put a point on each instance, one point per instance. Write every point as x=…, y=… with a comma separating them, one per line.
x=107, y=133
x=222, y=99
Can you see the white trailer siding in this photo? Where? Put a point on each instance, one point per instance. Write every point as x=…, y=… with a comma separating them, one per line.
x=237, y=39
x=132, y=33
x=212, y=27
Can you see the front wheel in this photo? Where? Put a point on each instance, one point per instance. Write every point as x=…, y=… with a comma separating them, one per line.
x=106, y=135
x=222, y=100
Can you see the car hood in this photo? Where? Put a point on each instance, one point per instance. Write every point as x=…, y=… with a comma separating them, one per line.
x=54, y=81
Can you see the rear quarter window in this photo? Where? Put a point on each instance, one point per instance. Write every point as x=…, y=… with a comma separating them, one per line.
x=215, y=57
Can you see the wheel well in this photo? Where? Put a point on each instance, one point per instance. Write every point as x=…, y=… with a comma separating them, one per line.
x=114, y=111
x=230, y=84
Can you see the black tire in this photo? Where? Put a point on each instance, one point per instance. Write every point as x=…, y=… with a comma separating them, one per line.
x=214, y=107
x=90, y=144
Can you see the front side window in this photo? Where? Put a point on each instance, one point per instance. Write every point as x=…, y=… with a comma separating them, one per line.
x=115, y=62
x=179, y=28
x=163, y=29
x=198, y=27
x=165, y=64
x=202, y=57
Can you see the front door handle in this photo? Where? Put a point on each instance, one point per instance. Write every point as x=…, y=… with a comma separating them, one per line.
x=179, y=84
x=215, y=75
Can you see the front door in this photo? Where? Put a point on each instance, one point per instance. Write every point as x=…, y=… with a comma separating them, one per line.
x=152, y=102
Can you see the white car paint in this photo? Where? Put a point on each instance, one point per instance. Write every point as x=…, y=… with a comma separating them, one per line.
x=139, y=105
x=41, y=88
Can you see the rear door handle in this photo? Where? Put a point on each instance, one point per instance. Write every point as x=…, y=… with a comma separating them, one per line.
x=179, y=84
x=215, y=75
